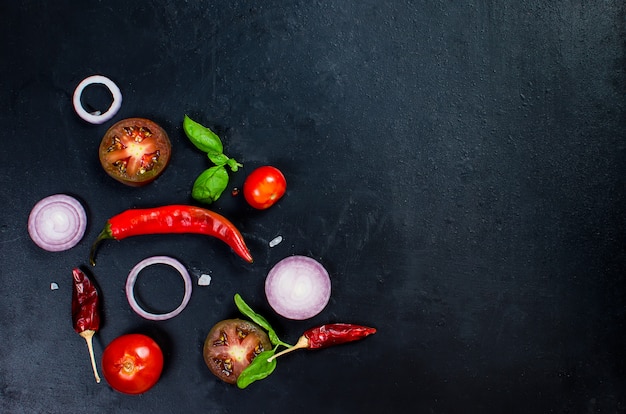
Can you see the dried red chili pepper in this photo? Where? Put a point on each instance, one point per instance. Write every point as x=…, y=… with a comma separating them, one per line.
x=328, y=335
x=335, y=334
x=86, y=311
x=170, y=220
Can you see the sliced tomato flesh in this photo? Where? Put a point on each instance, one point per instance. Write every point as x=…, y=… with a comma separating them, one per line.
x=241, y=349
x=133, y=152
x=231, y=346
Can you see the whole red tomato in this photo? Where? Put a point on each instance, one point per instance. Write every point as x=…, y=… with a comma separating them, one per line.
x=132, y=363
x=264, y=187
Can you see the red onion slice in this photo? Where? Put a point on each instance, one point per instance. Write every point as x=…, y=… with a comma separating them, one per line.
x=132, y=278
x=57, y=223
x=97, y=118
x=298, y=287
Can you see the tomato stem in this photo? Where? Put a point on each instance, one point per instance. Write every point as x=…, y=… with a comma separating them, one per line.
x=128, y=366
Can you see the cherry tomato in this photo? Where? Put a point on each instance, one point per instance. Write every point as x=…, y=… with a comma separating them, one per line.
x=264, y=187
x=231, y=345
x=132, y=363
x=135, y=151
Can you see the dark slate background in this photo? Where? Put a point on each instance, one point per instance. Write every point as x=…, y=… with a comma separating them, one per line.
x=458, y=168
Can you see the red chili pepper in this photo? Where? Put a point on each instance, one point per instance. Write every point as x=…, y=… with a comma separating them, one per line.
x=335, y=334
x=170, y=220
x=85, y=311
x=328, y=335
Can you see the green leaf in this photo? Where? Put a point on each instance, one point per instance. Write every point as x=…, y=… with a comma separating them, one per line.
x=218, y=158
x=222, y=159
x=258, y=369
x=234, y=165
x=202, y=137
x=259, y=320
x=247, y=311
x=210, y=185
x=275, y=340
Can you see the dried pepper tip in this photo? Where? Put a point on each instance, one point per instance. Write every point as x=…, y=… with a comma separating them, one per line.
x=105, y=234
x=336, y=333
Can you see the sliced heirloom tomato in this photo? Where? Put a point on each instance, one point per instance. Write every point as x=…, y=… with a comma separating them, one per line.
x=231, y=345
x=135, y=151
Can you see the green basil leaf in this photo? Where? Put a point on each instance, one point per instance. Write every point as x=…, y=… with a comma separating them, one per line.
x=202, y=137
x=222, y=159
x=234, y=165
x=218, y=158
x=210, y=185
x=275, y=340
x=245, y=309
x=258, y=369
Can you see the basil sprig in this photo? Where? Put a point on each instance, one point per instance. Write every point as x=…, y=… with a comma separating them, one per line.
x=259, y=320
x=260, y=367
x=210, y=185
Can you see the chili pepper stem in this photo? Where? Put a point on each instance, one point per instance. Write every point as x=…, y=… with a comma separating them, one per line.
x=105, y=234
x=88, y=335
x=303, y=342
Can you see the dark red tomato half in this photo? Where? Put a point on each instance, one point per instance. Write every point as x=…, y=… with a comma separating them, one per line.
x=132, y=364
x=264, y=187
x=231, y=345
x=135, y=151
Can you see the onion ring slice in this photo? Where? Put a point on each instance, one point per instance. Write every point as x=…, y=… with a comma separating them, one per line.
x=132, y=278
x=57, y=222
x=109, y=113
x=298, y=287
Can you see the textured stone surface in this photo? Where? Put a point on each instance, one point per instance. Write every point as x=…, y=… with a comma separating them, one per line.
x=458, y=169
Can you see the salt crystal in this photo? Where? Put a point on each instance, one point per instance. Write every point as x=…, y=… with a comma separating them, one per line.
x=53, y=286
x=204, y=280
x=276, y=241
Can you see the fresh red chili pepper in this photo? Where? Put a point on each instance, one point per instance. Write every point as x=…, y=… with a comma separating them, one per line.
x=85, y=311
x=328, y=335
x=169, y=220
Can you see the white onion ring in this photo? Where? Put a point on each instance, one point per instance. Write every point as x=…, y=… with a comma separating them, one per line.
x=57, y=223
x=298, y=287
x=109, y=113
x=132, y=278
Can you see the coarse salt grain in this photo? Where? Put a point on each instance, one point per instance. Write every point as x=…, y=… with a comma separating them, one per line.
x=204, y=280
x=276, y=241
